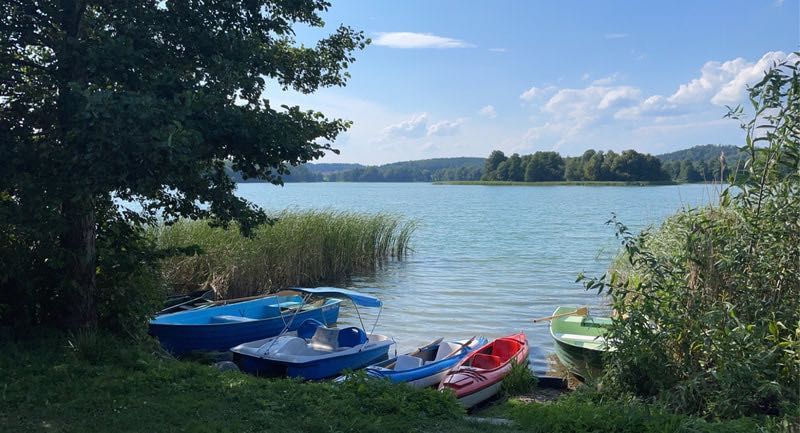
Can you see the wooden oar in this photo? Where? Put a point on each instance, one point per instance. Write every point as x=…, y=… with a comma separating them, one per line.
x=461, y=347
x=582, y=311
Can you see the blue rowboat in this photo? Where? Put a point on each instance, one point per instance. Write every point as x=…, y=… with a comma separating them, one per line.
x=316, y=351
x=222, y=327
x=426, y=366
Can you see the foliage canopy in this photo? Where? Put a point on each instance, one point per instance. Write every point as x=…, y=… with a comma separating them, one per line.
x=144, y=101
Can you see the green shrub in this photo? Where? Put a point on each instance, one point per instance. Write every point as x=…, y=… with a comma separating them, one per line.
x=34, y=291
x=300, y=248
x=708, y=319
x=520, y=380
x=570, y=415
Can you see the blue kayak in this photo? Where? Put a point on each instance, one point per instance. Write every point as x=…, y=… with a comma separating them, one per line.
x=222, y=327
x=427, y=365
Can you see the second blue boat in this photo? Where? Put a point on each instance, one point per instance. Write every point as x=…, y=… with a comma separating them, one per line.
x=427, y=365
x=220, y=328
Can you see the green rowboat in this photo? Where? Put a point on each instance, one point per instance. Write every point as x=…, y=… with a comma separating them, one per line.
x=580, y=341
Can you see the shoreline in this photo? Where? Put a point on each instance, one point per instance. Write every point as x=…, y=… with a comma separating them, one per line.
x=559, y=183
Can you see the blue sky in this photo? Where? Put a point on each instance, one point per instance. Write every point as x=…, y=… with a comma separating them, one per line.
x=460, y=78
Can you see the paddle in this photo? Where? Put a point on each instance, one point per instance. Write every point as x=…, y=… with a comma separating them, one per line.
x=461, y=347
x=582, y=311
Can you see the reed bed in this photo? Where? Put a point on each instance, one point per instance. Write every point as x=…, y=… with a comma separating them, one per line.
x=300, y=248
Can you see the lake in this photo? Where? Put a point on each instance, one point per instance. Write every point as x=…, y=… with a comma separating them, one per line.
x=486, y=259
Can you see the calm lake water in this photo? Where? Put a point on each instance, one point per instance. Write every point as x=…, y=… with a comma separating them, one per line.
x=486, y=259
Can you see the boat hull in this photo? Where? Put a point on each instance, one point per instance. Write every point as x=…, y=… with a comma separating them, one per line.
x=479, y=396
x=313, y=370
x=183, y=338
x=473, y=384
x=584, y=363
x=427, y=375
x=580, y=342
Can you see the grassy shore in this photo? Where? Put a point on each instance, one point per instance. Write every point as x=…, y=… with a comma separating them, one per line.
x=554, y=183
x=96, y=383
x=301, y=248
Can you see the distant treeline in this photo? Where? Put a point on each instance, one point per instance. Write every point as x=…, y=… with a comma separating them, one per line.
x=696, y=164
x=700, y=163
x=591, y=166
x=426, y=170
x=629, y=166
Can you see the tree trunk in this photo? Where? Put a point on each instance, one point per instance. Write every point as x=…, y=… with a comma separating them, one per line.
x=78, y=211
x=79, y=241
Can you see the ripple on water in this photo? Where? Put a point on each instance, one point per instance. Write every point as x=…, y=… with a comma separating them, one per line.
x=486, y=260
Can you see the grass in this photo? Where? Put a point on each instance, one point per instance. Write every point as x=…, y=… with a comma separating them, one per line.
x=555, y=183
x=301, y=248
x=519, y=381
x=99, y=383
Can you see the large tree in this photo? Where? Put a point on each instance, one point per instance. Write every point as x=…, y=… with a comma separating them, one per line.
x=145, y=101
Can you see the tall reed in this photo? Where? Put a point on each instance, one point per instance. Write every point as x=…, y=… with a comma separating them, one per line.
x=301, y=248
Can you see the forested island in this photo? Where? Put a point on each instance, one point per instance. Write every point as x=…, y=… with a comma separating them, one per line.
x=696, y=164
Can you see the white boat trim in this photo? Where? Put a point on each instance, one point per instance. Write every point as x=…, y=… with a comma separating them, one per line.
x=478, y=397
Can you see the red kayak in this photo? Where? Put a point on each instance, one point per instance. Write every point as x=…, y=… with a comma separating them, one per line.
x=479, y=375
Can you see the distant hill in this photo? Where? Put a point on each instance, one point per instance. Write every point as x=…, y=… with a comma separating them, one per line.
x=438, y=163
x=328, y=168
x=694, y=164
x=701, y=163
x=423, y=170
x=703, y=152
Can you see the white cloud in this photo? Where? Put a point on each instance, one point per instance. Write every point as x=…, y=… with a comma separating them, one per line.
x=719, y=83
x=725, y=83
x=734, y=90
x=655, y=105
x=606, y=80
x=615, y=35
x=590, y=102
x=445, y=127
x=417, y=40
x=535, y=92
x=417, y=126
x=712, y=76
x=488, y=111
x=498, y=50
x=414, y=127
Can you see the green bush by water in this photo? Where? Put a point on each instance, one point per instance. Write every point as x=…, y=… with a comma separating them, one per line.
x=520, y=380
x=710, y=301
x=300, y=248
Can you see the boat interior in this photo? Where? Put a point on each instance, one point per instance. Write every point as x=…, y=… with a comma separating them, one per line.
x=417, y=359
x=314, y=338
x=583, y=331
x=495, y=354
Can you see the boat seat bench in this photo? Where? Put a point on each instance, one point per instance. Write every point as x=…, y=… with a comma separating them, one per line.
x=579, y=337
x=407, y=362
